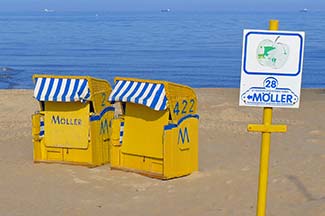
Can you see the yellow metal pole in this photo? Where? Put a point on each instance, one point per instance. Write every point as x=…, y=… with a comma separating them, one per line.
x=265, y=150
x=274, y=25
x=264, y=164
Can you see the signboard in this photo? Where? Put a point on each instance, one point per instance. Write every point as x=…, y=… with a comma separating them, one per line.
x=271, y=68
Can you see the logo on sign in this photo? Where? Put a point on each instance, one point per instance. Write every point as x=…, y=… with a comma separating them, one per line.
x=272, y=54
x=269, y=94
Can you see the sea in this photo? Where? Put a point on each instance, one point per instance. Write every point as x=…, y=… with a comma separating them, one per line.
x=198, y=49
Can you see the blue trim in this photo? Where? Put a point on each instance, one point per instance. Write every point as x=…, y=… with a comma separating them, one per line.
x=272, y=73
x=171, y=126
x=186, y=117
x=98, y=117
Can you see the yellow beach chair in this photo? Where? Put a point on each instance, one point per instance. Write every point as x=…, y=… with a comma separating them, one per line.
x=157, y=133
x=72, y=125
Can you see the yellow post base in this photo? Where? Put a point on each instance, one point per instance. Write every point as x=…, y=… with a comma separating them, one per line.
x=266, y=128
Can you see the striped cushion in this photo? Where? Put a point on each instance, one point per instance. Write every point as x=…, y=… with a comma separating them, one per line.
x=121, y=132
x=149, y=94
x=61, y=89
x=41, y=134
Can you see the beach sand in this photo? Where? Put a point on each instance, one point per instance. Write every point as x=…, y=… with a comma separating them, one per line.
x=226, y=183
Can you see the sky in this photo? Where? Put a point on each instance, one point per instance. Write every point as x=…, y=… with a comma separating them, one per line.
x=153, y=5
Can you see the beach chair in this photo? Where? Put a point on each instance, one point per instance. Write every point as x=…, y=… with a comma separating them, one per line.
x=72, y=125
x=157, y=132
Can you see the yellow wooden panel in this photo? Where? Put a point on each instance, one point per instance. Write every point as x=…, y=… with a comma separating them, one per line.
x=78, y=155
x=66, y=125
x=36, y=136
x=181, y=149
x=115, y=132
x=141, y=164
x=54, y=154
x=182, y=101
x=143, y=130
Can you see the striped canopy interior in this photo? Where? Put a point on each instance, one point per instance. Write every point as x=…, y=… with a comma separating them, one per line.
x=61, y=89
x=149, y=94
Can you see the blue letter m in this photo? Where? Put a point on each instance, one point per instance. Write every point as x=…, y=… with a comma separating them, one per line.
x=183, y=136
x=103, y=127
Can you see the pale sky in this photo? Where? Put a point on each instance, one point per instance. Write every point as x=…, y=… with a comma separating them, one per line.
x=154, y=5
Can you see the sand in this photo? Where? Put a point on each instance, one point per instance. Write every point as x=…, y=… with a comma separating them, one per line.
x=226, y=183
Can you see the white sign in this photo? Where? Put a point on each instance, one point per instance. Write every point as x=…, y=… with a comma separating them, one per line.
x=271, y=68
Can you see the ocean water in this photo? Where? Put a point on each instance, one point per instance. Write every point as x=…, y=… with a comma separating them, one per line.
x=195, y=49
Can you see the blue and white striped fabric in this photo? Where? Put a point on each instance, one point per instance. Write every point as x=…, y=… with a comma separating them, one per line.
x=152, y=95
x=61, y=89
x=121, y=132
x=41, y=133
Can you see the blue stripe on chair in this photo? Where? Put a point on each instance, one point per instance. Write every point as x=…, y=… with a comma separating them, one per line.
x=66, y=89
x=171, y=126
x=156, y=99
x=58, y=87
x=101, y=114
x=75, y=89
x=118, y=87
x=142, y=90
x=39, y=86
x=61, y=89
x=152, y=95
x=126, y=90
x=41, y=133
x=49, y=90
x=135, y=90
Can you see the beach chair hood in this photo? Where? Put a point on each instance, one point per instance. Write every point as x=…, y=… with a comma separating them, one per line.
x=148, y=93
x=178, y=100
x=61, y=89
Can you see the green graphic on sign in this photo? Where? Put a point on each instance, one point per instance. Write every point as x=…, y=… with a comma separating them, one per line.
x=272, y=54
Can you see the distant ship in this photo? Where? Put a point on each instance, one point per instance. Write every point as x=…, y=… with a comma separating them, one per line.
x=304, y=10
x=165, y=10
x=48, y=10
